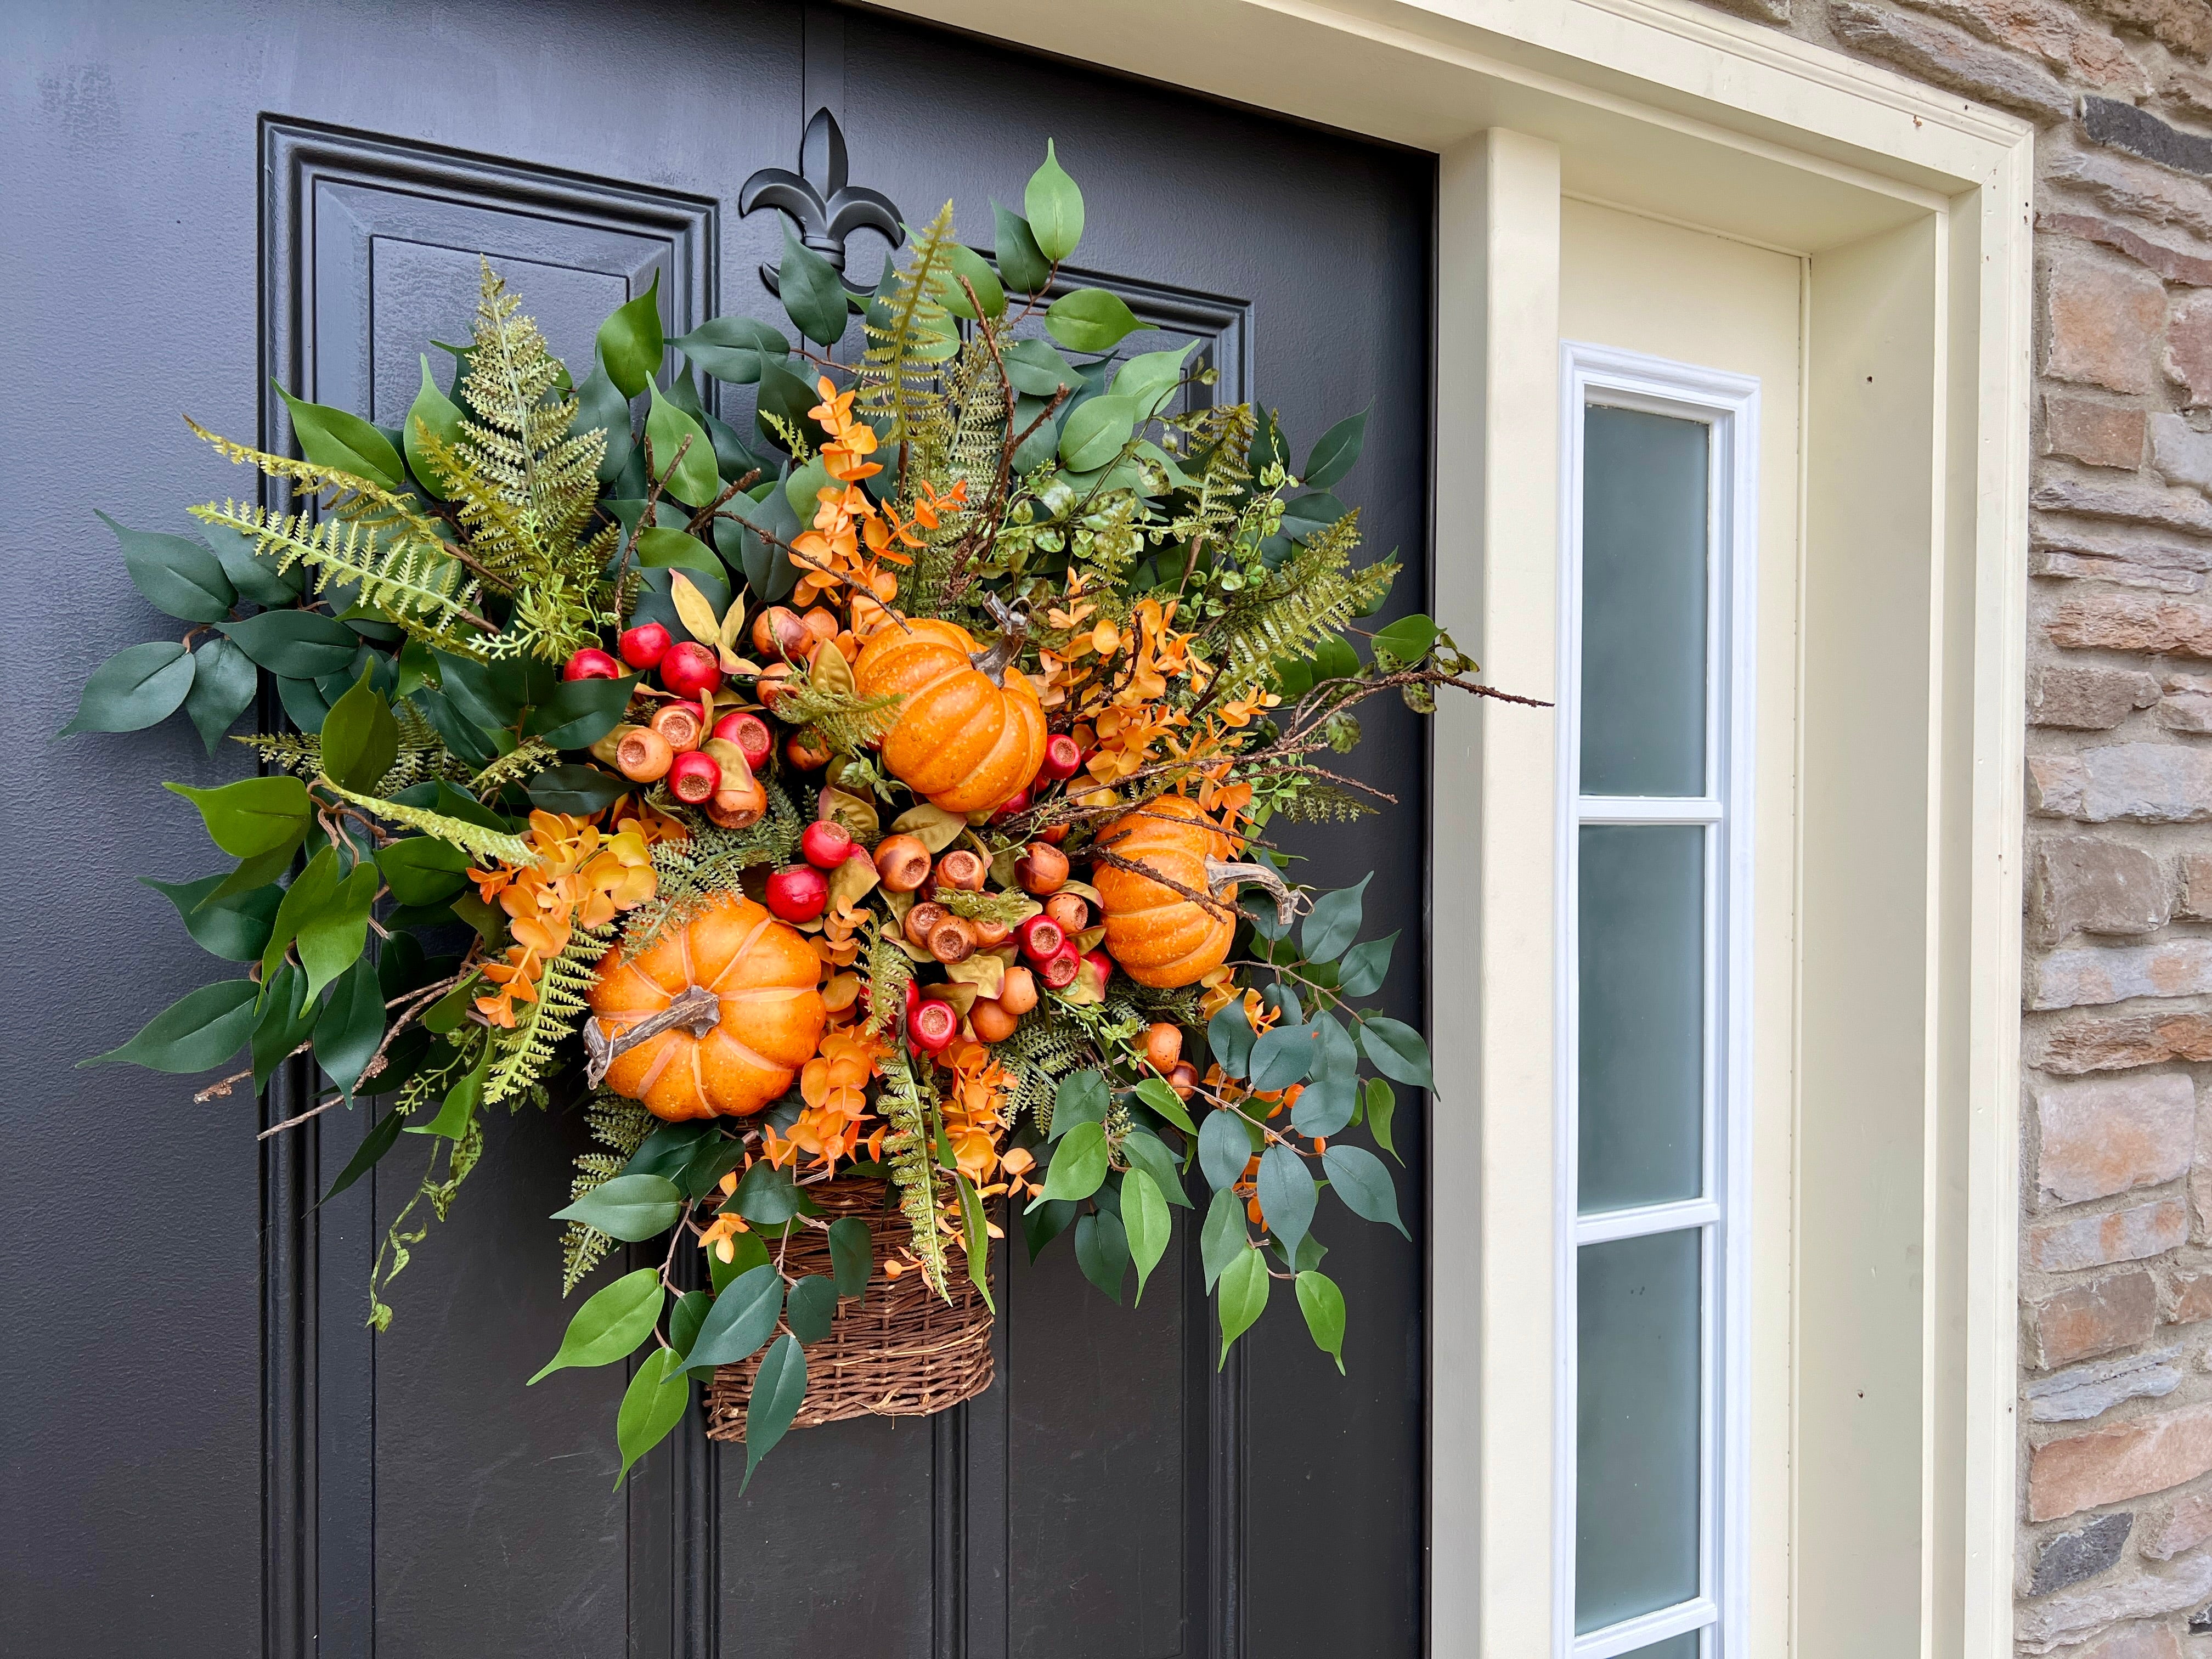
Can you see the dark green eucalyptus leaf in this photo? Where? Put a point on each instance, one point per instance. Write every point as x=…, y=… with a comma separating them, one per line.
x=812, y=295
x=252, y=816
x=1336, y=453
x=579, y=712
x=1304, y=516
x=1089, y=319
x=1094, y=432
x=1147, y=1151
x=1036, y=371
x=235, y=928
x=1327, y=1105
x=1224, y=1237
x=785, y=394
x=630, y=1208
x=691, y=479
x=1407, y=640
x=1147, y=379
x=1146, y=1223
x=1283, y=1056
x=733, y=349
x=1333, y=922
x=201, y=1030
x=361, y=739
x=441, y=416
x=1228, y=1039
x=1043, y=1223
x=750, y=543
x=1267, y=448
x=176, y=573
x=809, y=1308
x=747, y=1253
x=422, y=870
x=456, y=729
x=743, y=1317
x=683, y=393
x=1286, y=1196
x=1102, y=1250
x=374, y=1146
x=1079, y=1164
x=287, y=1020
x=629, y=343
x=669, y=1149
x=601, y=407
x=1365, y=967
x=257, y=578
x=297, y=644
x=612, y=1323
x=1323, y=1304
x=304, y=705
x=1041, y=446
x=350, y=1026
x=134, y=689
x=1053, y=208
x=345, y=443
x=1022, y=263
x=1081, y=1097
x=851, y=1255
x=969, y=266
x=766, y=1196
x=224, y=680
x=1225, y=1147
x=652, y=1405
x=576, y=790
x=778, y=1388
x=685, y=1318
x=1356, y=1176
x=1397, y=1051
x=1241, y=1296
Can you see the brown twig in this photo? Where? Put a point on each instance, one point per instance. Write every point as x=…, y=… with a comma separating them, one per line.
x=1219, y=908
x=705, y=515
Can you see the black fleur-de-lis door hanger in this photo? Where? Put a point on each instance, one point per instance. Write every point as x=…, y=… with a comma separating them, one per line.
x=822, y=206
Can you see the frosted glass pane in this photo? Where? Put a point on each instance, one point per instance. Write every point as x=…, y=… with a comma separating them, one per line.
x=1641, y=923
x=1637, y=1455
x=1643, y=603
x=1684, y=1646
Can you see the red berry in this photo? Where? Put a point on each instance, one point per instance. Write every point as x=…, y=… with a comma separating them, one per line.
x=1062, y=758
x=1017, y=802
x=1102, y=963
x=1059, y=971
x=688, y=669
x=913, y=996
x=932, y=1025
x=643, y=646
x=826, y=844
x=694, y=776
x=750, y=733
x=1041, y=938
x=799, y=893
x=592, y=665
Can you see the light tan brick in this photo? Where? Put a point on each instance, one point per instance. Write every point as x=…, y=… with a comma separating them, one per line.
x=2101, y=1315
x=2100, y=435
x=2106, y=973
x=2189, y=1297
x=2184, y=1527
x=2103, y=322
x=2088, y=884
x=2078, y=697
x=2140, y=783
x=2195, y=900
x=2105, y=1465
x=2130, y=622
x=2066, y=1244
x=2188, y=347
x=2113, y=1044
x=2107, y=1135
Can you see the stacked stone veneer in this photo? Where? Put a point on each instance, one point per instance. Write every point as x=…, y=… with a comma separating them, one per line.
x=2116, y=1197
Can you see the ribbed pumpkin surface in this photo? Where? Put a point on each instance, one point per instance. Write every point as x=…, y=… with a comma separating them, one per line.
x=961, y=741
x=764, y=974
x=1159, y=937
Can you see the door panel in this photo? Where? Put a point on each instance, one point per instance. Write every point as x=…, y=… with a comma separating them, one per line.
x=1116, y=1494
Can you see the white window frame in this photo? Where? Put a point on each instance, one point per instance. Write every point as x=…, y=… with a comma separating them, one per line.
x=1727, y=404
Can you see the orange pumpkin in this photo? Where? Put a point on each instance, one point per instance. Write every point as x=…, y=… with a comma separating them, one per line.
x=762, y=974
x=1159, y=937
x=963, y=740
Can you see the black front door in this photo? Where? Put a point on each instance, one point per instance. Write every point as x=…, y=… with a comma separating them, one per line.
x=207, y=1453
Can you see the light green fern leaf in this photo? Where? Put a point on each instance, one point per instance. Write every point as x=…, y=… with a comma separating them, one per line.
x=469, y=837
x=913, y=1161
x=902, y=371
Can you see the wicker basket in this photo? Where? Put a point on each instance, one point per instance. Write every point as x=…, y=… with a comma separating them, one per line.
x=902, y=1351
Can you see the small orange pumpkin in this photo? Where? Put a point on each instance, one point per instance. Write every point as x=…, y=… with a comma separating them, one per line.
x=1160, y=937
x=763, y=974
x=962, y=740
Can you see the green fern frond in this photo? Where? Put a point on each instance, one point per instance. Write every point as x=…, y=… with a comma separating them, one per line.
x=469, y=837
x=620, y=1124
x=1316, y=803
x=890, y=971
x=1310, y=597
x=907, y=1150
x=422, y=755
x=532, y=1053
x=689, y=874
x=1004, y=908
x=902, y=369
x=847, y=721
x=1043, y=1050
x=413, y=582
x=522, y=762
x=345, y=495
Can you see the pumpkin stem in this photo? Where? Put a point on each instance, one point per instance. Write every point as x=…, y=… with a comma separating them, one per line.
x=1289, y=901
x=1014, y=631
x=698, y=1008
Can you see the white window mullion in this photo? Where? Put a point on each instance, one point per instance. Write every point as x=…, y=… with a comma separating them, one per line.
x=1645, y=748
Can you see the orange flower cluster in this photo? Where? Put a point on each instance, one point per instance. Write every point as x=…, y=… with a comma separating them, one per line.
x=830, y=553
x=1114, y=681
x=582, y=874
x=834, y=1085
x=974, y=1103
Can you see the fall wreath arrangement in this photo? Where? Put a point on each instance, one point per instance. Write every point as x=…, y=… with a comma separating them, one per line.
x=862, y=816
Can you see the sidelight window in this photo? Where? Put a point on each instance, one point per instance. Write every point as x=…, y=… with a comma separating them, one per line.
x=1653, y=1053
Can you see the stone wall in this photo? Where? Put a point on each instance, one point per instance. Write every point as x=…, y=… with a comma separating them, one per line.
x=2116, y=1195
